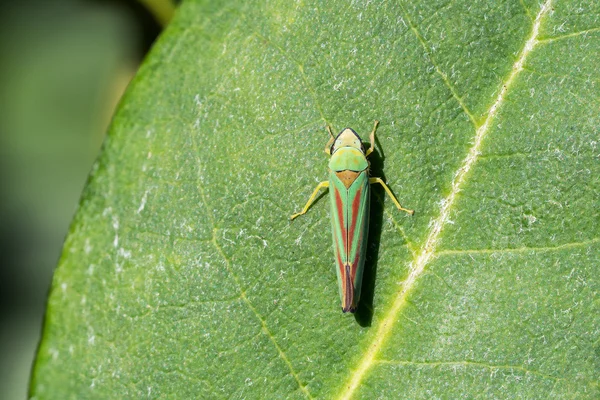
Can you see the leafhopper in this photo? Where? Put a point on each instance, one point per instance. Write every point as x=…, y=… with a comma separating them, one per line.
x=349, y=197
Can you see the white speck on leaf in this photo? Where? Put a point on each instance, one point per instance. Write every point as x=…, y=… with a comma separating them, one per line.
x=530, y=219
x=87, y=248
x=53, y=353
x=143, y=202
x=124, y=253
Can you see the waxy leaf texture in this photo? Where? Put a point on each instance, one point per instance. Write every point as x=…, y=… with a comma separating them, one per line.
x=182, y=276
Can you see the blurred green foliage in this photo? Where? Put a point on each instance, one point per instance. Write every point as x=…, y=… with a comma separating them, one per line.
x=64, y=66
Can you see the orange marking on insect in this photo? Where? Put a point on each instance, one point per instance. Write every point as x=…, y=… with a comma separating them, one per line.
x=347, y=177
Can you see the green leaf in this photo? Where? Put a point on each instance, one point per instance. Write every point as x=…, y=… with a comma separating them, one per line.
x=183, y=278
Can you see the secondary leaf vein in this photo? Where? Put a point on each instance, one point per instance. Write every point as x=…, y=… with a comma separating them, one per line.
x=263, y=323
x=569, y=35
x=472, y=364
x=243, y=296
x=438, y=69
x=300, y=67
x=523, y=249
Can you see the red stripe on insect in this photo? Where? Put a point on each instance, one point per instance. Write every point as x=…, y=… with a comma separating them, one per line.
x=359, y=245
x=340, y=211
x=354, y=219
x=340, y=263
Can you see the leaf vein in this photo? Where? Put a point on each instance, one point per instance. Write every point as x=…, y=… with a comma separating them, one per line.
x=527, y=11
x=438, y=69
x=523, y=249
x=569, y=35
x=468, y=363
x=263, y=323
x=429, y=248
x=243, y=296
x=300, y=67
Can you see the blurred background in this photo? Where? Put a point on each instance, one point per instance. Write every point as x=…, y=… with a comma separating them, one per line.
x=64, y=64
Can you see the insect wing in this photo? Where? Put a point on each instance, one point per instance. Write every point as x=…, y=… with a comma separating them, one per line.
x=350, y=223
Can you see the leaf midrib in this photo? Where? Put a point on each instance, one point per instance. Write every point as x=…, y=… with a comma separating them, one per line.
x=427, y=252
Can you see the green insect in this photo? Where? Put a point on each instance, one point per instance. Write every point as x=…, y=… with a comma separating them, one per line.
x=349, y=187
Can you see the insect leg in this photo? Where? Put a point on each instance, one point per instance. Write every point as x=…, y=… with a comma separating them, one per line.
x=311, y=199
x=389, y=192
x=372, y=139
x=330, y=142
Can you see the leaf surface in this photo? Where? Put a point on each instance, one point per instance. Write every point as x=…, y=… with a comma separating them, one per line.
x=183, y=278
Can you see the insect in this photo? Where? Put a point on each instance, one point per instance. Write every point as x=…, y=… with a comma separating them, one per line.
x=349, y=196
